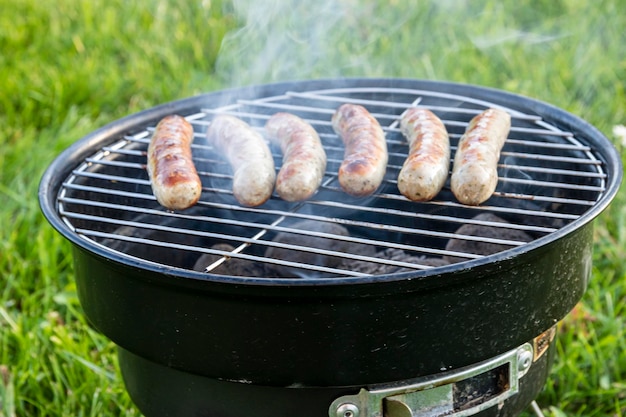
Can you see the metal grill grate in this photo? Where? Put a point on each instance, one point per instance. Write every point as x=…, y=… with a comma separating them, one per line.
x=548, y=178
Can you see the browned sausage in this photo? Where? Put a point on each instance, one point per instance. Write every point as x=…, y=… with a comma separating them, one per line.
x=365, y=157
x=304, y=158
x=426, y=168
x=173, y=176
x=475, y=171
x=248, y=154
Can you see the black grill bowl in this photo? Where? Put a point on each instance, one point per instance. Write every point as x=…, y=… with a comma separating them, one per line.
x=321, y=337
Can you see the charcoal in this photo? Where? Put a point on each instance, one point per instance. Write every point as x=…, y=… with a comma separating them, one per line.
x=313, y=258
x=242, y=267
x=480, y=247
x=374, y=268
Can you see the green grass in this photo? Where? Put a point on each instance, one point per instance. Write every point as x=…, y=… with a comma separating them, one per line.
x=69, y=66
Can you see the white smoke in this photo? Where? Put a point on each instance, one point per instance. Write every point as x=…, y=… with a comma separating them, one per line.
x=290, y=39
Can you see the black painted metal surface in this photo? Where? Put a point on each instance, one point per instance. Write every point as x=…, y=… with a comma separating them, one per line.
x=332, y=332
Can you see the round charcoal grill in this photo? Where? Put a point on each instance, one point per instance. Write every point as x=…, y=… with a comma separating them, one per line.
x=337, y=305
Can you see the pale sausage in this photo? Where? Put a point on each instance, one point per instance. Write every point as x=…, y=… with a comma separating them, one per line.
x=304, y=158
x=475, y=170
x=249, y=156
x=365, y=156
x=426, y=168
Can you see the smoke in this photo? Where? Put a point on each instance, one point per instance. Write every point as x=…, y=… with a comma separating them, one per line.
x=485, y=43
x=289, y=39
x=503, y=35
x=279, y=40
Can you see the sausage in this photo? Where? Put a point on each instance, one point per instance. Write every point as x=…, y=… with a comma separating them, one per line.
x=365, y=156
x=304, y=158
x=245, y=149
x=173, y=176
x=426, y=167
x=475, y=169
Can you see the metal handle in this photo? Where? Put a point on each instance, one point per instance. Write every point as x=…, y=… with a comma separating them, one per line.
x=445, y=395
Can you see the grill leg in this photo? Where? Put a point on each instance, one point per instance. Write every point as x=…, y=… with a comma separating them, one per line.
x=536, y=409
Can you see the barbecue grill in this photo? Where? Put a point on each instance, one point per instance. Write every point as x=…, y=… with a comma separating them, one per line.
x=338, y=305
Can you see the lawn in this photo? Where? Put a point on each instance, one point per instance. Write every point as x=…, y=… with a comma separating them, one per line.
x=70, y=66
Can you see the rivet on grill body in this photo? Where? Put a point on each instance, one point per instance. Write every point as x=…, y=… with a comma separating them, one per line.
x=524, y=359
x=347, y=410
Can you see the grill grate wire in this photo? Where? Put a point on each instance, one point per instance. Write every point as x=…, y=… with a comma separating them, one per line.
x=548, y=178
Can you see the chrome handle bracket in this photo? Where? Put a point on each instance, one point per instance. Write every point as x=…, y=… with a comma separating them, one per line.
x=446, y=394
